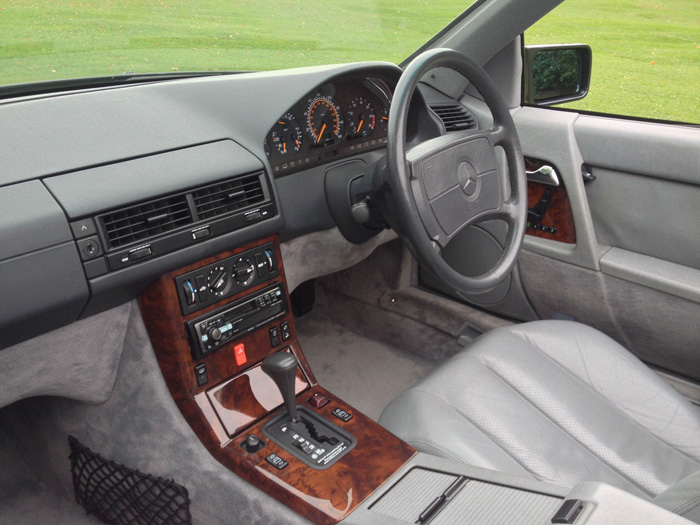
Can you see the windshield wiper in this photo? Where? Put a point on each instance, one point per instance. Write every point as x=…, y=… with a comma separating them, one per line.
x=70, y=84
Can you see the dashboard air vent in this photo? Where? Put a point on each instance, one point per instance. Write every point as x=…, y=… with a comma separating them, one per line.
x=145, y=220
x=228, y=196
x=455, y=117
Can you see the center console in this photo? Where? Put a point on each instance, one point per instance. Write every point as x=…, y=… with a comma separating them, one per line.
x=224, y=336
x=214, y=326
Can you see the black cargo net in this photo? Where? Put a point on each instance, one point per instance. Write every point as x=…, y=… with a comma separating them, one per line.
x=118, y=495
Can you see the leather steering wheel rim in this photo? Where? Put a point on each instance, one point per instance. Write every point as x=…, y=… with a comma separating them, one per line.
x=423, y=223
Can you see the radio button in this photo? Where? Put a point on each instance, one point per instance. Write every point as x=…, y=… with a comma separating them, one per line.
x=214, y=334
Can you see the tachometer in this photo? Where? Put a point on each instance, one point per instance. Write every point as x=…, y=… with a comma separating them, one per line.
x=361, y=118
x=285, y=136
x=324, y=120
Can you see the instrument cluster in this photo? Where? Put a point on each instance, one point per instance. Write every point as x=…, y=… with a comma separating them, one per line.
x=336, y=120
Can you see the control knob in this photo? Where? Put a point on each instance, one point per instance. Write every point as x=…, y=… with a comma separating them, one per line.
x=214, y=334
x=243, y=270
x=219, y=281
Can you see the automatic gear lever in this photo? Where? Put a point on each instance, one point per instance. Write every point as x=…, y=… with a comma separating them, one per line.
x=282, y=368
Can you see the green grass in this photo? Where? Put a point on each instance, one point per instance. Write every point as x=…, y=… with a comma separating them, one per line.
x=646, y=54
x=43, y=40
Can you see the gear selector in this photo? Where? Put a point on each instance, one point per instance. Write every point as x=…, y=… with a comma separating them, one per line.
x=282, y=368
x=300, y=431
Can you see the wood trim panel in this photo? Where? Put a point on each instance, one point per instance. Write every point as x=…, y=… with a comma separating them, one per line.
x=321, y=496
x=559, y=214
x=248, y=397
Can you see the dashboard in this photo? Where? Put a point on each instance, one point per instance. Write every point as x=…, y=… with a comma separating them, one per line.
x=337, y=120
x=104, y=190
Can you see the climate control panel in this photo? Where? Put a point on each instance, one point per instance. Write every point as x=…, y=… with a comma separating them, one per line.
x=210, y=284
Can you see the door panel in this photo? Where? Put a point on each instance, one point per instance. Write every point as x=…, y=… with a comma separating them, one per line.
x=634, y=272
x=660, y=328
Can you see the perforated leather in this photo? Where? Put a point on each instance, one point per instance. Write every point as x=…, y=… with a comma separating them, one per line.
x=556, y=401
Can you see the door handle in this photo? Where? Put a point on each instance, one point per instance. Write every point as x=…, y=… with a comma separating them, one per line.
x=545, y=174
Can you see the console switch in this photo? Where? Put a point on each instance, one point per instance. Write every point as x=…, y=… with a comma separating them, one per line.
x=276, y=461
x=342, y=415
x=239, y=352
x=286, y=334
x=318, y=400
x=274, y=336
x=200, y=372
x=261, y=265
x=252, y=444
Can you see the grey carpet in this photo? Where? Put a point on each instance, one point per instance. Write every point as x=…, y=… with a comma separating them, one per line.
x=24, y=498
x=361, y=371
x=138, y=426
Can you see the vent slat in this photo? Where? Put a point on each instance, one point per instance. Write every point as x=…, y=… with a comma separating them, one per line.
x=455, y=117
x=120, y=225
x=229, y=196
x=145, y=220
x=142, y=221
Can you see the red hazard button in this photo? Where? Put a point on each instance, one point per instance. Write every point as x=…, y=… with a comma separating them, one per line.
x=239, y=352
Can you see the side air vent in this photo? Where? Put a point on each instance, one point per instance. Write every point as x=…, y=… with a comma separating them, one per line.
x=228, y=196
x=455, y=117
x=146, y=220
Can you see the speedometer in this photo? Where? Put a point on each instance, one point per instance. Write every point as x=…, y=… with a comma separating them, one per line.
x=324, y=120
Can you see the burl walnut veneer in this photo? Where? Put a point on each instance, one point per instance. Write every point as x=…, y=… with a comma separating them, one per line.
x=558, y=214
x=236, y=400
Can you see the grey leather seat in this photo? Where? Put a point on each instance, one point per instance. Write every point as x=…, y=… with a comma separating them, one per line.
x=559, y=402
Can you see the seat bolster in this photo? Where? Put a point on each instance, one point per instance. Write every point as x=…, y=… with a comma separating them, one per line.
x=683, y=498
x=433, y=426
x=558, y=401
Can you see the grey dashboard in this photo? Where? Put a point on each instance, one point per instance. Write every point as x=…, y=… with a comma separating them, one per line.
x=104, y=190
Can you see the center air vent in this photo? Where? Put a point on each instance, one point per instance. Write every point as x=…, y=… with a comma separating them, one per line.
x=146, y=220
x=228, y=196
x=455, y=117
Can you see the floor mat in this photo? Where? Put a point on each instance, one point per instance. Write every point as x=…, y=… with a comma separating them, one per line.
x=363, y=372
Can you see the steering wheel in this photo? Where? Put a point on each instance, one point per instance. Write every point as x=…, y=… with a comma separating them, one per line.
x=448, y=183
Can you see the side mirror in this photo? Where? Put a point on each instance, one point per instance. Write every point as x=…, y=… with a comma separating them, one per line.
x=554, y=74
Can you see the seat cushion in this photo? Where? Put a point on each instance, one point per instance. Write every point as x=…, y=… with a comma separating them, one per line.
x=556, y=401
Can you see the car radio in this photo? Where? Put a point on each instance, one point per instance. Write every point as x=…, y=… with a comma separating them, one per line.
x=218, y=328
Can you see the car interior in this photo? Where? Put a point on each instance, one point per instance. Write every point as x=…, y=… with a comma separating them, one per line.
x=357, y=293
